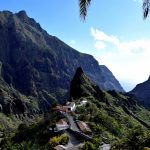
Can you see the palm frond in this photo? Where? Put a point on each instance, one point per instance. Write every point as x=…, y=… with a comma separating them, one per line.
x=84, y=4
x=146, y=7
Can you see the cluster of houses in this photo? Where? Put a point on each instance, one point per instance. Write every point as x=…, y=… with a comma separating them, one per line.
x=70, y=107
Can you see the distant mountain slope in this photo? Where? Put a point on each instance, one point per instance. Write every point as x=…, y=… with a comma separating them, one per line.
x=39, y=65
x=142, y=93
x=109, y=79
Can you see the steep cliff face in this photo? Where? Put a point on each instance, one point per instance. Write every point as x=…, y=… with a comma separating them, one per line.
x=39, y=65
x=109, y=80
x=142, y=93
x=13, y=102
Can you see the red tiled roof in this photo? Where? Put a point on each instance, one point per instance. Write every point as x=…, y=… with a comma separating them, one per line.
x=83, y=126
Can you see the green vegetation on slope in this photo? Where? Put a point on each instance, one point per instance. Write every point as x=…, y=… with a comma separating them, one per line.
x=113, y=117
x=35, y=136
x=110, y=115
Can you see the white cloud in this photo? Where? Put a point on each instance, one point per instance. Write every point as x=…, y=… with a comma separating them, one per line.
x=101, y=36
x=136, y=46
x=99, y=45
x=130, y=62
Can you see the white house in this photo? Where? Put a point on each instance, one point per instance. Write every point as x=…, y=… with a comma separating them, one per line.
x=70, y=106
x=83, y=102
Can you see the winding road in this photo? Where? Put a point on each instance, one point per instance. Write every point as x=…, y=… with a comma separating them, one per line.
x=105, y=147
x=73, y=140
x=73, y=125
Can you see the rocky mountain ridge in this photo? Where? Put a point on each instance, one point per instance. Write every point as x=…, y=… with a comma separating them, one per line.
x=40, y=66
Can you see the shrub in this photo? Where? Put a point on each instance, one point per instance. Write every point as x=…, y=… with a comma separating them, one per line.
x=6, y=143
x=146, y=148
x=134, y=140
x=88, y=146
x=97, y=141
x=54, y=142
x=22, y=126
x=62, y=139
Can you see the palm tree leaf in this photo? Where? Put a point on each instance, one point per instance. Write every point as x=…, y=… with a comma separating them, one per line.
x=146, y=6
x=84, y=4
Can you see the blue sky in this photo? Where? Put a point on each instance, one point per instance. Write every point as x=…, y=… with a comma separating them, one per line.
x=114, y=32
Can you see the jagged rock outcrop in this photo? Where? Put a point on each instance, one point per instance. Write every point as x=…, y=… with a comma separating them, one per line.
x=81, y=86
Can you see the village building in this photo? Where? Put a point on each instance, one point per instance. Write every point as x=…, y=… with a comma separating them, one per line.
x=83, y=127
x=69, y=107
x=57, y=108
x=83, y=102
x=61, y=125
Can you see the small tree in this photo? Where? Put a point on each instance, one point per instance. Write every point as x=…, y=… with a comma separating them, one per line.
x=88, y=146
x=64, y=139
x=22, y=126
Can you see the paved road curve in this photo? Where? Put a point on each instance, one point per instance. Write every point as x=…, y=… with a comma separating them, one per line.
x=105, y=147
x=73, y=125
x=73, y=140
